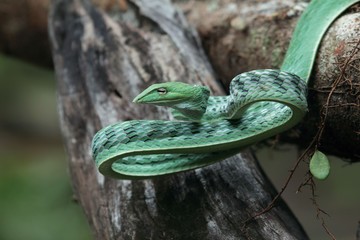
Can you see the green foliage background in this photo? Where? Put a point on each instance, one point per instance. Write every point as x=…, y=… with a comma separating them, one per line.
x=36, y=200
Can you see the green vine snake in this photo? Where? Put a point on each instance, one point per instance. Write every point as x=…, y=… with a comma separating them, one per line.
x=261, y=104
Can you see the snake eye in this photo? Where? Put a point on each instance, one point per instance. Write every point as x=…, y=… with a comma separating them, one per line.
x=161, y=91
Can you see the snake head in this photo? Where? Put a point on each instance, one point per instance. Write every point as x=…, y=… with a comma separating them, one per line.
x=170, y=94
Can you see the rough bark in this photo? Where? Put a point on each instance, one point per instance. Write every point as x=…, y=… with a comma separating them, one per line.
x=101, y=63
x=237, y=37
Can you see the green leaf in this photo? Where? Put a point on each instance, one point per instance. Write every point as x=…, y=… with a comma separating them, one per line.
x=319, y=165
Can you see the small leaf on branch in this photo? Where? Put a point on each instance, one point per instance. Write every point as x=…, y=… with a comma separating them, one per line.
x=319, y=165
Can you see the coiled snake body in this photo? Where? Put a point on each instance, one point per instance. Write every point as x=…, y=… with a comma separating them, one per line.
x=261, y=103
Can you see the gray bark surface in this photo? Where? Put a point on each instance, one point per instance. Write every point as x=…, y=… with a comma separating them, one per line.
x=101, y=64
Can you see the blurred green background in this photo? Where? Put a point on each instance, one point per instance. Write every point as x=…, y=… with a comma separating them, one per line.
x=36, y=200
x=338, y=195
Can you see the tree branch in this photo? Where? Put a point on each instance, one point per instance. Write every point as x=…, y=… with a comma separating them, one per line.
x=237, y=37
x=101, y=64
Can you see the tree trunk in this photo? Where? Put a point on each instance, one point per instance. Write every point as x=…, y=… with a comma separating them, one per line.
x=102, y=63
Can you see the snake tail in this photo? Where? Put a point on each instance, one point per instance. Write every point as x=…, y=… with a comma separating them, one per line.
x=310, y=29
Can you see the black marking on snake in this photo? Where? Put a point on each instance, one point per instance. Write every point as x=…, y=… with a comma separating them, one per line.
x=278, y=80
x=280, y=87
x=131, y=131
x=108, y=144
x=150, y=134
x=295, y=80
x=173, y=132
x=273, y=74
x=245, y=90
x=110, y=134
x=256, y=80
x=243, y=128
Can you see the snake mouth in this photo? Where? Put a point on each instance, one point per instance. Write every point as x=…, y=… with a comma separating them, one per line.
x=139, y=99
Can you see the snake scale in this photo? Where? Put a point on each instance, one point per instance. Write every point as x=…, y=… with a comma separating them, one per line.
x=261, y=104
